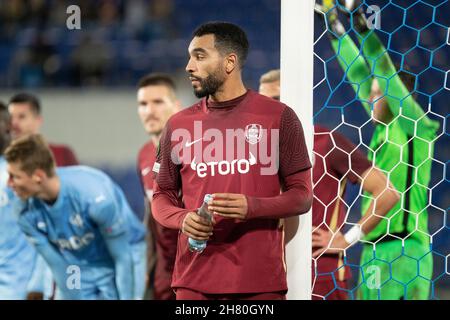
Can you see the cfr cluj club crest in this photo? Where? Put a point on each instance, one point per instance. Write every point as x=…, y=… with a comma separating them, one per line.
x=253, y=133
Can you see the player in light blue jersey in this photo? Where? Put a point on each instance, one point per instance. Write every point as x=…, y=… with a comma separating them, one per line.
x=20, y=267
x=80, y=222
x=17, y=256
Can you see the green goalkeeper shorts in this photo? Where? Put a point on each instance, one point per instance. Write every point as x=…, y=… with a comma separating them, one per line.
x=394, y=273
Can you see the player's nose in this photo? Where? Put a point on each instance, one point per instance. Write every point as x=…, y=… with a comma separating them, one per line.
x=190, y=67
x=10, y=182
x=15, y=125
x=149, y=110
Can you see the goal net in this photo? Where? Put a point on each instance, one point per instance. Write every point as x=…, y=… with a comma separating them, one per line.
x=382, y=81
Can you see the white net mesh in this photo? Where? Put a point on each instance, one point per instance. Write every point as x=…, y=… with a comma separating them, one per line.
x=382, y=82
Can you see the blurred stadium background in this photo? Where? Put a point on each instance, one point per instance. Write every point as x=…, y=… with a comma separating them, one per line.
x=86, y=78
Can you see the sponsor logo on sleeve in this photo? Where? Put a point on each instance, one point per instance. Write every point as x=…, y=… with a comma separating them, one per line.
x=100, y=198
x=156, y=167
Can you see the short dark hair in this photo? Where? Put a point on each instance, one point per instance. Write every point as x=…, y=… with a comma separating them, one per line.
x=4, y=114
x=5, y=136
x=157, y=79
x=228, y=38
x=32, y=100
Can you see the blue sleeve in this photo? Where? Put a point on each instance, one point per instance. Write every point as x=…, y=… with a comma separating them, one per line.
x=36, y=283
x=54, y=260
x=120, y=251
x=113, y=226
x=41, y=278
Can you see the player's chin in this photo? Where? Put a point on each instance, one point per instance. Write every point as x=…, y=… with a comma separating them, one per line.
x=199, y=92
x=22, y=195
x=153, y=128
x=196, y=86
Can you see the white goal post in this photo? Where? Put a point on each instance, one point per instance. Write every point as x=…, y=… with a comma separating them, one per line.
x=297, y=38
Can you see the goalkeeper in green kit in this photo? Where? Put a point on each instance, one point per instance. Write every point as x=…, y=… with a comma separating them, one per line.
x=396, y=261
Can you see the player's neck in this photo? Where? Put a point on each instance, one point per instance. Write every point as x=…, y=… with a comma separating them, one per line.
x=231, y=89
x=50, y=189
x=155, y=139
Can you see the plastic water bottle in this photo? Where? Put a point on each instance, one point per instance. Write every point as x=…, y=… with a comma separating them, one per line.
x=200, y=245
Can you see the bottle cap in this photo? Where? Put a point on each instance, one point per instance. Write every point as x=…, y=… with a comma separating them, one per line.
x=207, y=198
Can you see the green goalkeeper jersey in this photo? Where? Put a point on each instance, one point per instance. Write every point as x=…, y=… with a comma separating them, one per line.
x=403, y=149
x=406, y=160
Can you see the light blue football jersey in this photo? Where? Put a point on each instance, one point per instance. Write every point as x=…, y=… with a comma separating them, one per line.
x=90, y=209
x=17, y=256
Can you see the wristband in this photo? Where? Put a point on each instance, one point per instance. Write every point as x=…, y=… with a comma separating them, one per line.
x=354, y=234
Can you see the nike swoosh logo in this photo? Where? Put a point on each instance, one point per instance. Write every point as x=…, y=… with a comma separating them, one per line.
x=145, y=171
x=188, y=144
x=100, y=198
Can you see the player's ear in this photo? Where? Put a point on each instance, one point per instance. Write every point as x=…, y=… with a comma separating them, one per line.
x=38, y=176
x=231, y=62
x=41, y=120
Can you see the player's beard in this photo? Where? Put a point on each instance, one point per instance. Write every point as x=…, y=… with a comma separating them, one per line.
x=210, y=84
